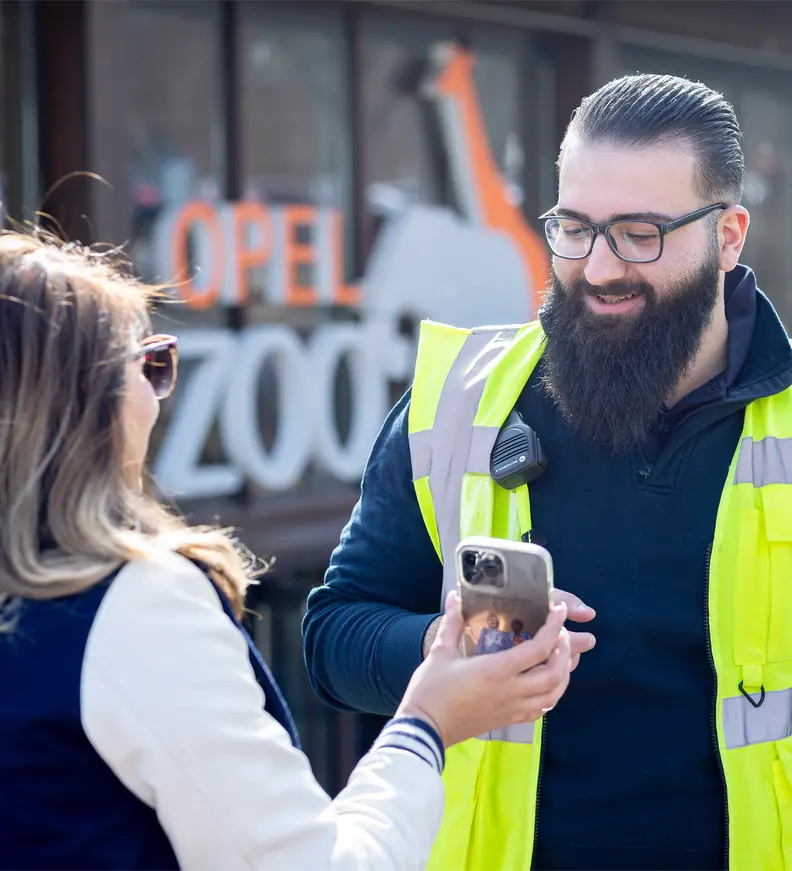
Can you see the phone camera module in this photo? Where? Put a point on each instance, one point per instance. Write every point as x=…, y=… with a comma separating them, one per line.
x=482, y=567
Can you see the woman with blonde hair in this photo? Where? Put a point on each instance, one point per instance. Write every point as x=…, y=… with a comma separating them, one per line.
x=139, y=727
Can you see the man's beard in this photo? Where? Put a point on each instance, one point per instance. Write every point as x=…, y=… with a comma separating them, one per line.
x=611, y=374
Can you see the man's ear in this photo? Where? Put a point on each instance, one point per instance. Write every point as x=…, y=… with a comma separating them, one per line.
x=732, y=230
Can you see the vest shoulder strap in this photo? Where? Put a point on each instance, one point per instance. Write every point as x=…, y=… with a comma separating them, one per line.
x=466, y=383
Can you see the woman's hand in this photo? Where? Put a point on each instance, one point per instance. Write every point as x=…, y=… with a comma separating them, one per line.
x=463, y=698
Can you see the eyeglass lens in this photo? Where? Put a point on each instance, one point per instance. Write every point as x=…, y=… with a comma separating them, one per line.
x=636, y=241
x=159, y=368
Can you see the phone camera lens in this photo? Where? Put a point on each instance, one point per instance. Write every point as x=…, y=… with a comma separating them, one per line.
x=480, y=567
x=470, y=570
x=491, y=567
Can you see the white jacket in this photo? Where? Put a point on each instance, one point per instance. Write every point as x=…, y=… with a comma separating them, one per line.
x=170, y=702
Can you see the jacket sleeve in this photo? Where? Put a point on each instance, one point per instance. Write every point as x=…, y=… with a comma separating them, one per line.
x=170, y=702
x=364, y=628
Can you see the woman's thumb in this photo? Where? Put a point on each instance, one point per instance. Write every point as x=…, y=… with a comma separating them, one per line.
x=452, y=624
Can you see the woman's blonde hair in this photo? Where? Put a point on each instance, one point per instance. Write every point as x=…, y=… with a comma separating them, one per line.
x=69, y=516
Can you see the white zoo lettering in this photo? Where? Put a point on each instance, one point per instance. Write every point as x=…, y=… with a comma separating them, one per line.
x=223, y=388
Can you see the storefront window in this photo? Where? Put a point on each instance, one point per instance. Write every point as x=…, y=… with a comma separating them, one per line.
x=296, y=155
x=403, y=158
x=499, y=75
x=762, y=104
x=296, y=188
x=444, y=117
x=407, y=132
x=3, y=118
x=174, y=153
x=257, y=237
x=175, y=126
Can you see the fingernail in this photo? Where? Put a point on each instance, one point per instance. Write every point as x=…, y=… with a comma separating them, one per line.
x=592, y=642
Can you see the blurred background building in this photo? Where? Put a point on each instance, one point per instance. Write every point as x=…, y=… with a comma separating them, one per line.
x=319, y=176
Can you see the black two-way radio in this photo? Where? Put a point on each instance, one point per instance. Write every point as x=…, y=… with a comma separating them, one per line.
x=517, y=456
x=517, y=459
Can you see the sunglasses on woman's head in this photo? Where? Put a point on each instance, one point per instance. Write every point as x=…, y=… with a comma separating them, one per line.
x=160, y=357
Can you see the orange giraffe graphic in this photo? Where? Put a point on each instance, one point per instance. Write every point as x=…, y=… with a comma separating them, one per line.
x=480, y=189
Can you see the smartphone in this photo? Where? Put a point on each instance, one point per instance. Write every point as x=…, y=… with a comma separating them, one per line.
x=506, y=592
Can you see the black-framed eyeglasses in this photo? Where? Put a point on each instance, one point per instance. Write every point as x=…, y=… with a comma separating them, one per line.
x=635, y=241
x=160, y=356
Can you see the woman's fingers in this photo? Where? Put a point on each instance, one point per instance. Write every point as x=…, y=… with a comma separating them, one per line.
x=452, y=625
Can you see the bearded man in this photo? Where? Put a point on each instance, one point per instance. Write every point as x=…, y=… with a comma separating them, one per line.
x=657, y=380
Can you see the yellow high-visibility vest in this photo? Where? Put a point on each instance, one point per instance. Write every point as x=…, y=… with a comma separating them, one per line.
x=466, y=383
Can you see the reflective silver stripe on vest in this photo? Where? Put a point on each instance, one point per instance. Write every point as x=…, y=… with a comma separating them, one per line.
x=455, y=446
x=420, y=453
x=452, y=436
x=767, y=461
x=482, y=439
x=743, y=724
x=519, y=733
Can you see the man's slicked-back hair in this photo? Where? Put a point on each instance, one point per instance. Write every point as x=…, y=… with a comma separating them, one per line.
x=643, y=110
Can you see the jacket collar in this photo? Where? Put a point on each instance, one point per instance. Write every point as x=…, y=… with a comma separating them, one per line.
x=767, y=365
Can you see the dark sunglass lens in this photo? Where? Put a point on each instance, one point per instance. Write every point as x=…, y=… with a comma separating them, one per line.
x=158, y=369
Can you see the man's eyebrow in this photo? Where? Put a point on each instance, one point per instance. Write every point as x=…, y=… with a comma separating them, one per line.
x=623, y=216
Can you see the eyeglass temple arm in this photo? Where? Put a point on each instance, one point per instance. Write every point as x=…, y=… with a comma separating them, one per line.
x=693, y=216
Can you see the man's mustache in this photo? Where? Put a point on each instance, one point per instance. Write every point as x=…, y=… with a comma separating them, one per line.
x=580, y=287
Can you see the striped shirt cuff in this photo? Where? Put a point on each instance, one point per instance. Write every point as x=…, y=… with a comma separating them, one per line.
x=415, y=736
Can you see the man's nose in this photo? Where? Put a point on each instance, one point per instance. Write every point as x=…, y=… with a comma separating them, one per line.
x=603, y=266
